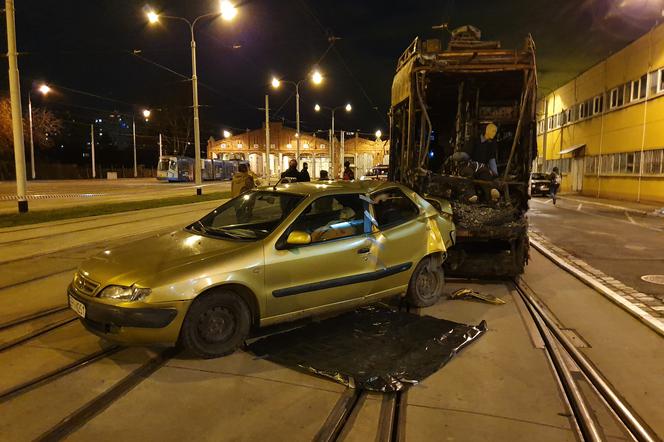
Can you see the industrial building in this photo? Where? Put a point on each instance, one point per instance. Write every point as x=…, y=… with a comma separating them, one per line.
x=605, y=128
x=362, y=153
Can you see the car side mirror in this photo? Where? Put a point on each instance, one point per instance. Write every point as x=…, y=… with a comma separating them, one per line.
x=298, y=238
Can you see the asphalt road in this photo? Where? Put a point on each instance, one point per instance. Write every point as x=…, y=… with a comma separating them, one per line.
x=623, y=244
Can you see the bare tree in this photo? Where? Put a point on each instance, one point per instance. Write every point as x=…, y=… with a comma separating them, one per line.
x=45, y=126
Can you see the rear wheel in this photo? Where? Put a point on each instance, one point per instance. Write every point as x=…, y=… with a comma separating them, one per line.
x=216, y=324
x=427, y=282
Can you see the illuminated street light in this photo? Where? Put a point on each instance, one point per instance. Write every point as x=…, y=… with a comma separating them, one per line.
x=44, y=89
x=316, y=78
x=227, y=134
x=227, y=12
x=146, y=113
x=153, y=17
x=333, y=110
x=379, y=134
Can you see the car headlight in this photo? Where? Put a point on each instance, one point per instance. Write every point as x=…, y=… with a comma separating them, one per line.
x=123, y=293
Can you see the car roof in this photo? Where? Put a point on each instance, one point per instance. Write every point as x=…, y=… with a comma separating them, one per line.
x=330, y=187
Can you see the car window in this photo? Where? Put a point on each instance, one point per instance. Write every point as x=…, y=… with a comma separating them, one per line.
x=332, y=217
x=391, y=207
x=252, y=215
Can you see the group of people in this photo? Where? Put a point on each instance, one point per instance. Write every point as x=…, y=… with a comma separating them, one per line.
x=244, y=179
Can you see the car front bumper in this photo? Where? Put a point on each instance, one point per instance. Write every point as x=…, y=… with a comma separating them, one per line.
x=133, y=325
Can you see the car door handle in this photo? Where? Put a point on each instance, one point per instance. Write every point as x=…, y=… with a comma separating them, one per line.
x=364, y=250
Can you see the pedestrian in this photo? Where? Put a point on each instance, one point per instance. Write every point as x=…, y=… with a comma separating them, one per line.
x=242, y=181
x=292, y=171
x=349, y=175
x=554, y=184
x=324, y=176
x=304, y=173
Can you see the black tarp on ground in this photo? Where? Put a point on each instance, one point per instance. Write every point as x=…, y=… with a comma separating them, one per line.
x=373, y=348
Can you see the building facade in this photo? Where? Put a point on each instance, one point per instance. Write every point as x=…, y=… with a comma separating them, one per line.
x=604, y=129
x=314, y=149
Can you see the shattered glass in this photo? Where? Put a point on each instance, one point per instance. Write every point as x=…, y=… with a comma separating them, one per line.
x=373, y=348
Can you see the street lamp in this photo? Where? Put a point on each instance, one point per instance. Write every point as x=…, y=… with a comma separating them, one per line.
x=227, y=12
x=44, y=89
x=146, y=114
x=332, y=110
x=227, y=134
x=379, y=134
x=316, y=78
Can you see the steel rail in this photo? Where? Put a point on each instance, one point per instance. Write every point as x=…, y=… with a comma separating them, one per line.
x=35, y=333
x=87, y=412
x=51, y=376
x=32, y=316
x=637, y=428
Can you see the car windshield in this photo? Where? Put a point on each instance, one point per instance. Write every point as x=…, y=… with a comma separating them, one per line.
x=539, y=176
x=250, y=216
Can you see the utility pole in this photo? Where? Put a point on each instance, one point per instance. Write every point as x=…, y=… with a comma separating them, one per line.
x=160, y=147
x=133, y=122
x=32, y=140
x=341, y=151
x=17, y=113
x=267, y=138
x=92, y=146
x=297, y=122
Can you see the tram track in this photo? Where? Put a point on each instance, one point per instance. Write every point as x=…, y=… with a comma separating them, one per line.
x=560, y=351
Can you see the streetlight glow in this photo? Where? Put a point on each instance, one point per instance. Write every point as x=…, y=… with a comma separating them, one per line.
x=379, y=134
x=317, y=107
x=349, y=107
x=44, y=89
x=153, y=17
x=228, y=11
x=146, y=113
x=317, y=77
x=227, y=134
x=276, y=83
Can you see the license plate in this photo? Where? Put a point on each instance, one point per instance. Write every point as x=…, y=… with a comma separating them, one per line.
x=78, y=307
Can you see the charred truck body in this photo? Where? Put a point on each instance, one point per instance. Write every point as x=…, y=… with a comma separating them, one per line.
x=463, y=129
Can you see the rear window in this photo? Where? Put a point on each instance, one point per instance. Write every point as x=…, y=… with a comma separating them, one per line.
x=391, y=208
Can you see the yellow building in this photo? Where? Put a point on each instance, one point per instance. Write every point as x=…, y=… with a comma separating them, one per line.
x=604, y=129
x=315, y=150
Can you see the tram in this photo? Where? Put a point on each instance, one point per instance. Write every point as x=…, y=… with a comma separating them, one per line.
x=181, y=169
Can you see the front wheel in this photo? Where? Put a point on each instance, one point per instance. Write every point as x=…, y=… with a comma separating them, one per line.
x=427, y=282
x=216, y=325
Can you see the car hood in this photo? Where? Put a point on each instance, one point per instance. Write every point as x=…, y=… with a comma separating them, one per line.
x=143, y=259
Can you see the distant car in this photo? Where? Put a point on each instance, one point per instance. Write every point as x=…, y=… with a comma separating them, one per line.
x=539, y=184
x=378, y=172
x=270, y=255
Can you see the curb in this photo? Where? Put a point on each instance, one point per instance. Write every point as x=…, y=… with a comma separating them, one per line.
x=646, y=318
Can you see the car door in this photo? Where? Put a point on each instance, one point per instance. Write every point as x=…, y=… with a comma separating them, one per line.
x=335, y=268
x=401, y=238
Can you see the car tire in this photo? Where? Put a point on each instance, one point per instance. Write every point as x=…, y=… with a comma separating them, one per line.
x=216, y=325
x=426, y=283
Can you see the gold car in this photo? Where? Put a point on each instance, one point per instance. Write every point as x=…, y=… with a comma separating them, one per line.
x=270, y=255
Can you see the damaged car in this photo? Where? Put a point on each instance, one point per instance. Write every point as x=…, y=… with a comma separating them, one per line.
x=270, y=255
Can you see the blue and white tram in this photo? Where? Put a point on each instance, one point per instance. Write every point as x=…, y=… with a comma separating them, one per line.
x=178, y=168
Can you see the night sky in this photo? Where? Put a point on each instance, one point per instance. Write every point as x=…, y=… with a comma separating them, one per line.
x=87, y=45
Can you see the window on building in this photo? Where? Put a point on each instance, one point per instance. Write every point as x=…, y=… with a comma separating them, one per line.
x=653, y=162
x=550, y=123
x=639, y=88
x=582, y=111
x=568, y=115
x=563, y=118
x=598, y=104
x=653, y=81
x=591, y=163
x=614, y=98
x=643, y=86
x=660, y=82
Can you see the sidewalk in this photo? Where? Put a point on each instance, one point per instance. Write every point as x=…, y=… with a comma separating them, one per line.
x=653, y=209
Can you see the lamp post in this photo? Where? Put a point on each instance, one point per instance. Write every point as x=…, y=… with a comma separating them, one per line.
x=332, y=110
x=146, y=114
x=227, y=12
x=316, y=78
x=44, y=89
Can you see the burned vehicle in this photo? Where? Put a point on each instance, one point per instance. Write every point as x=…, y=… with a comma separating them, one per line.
x=462, y=125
